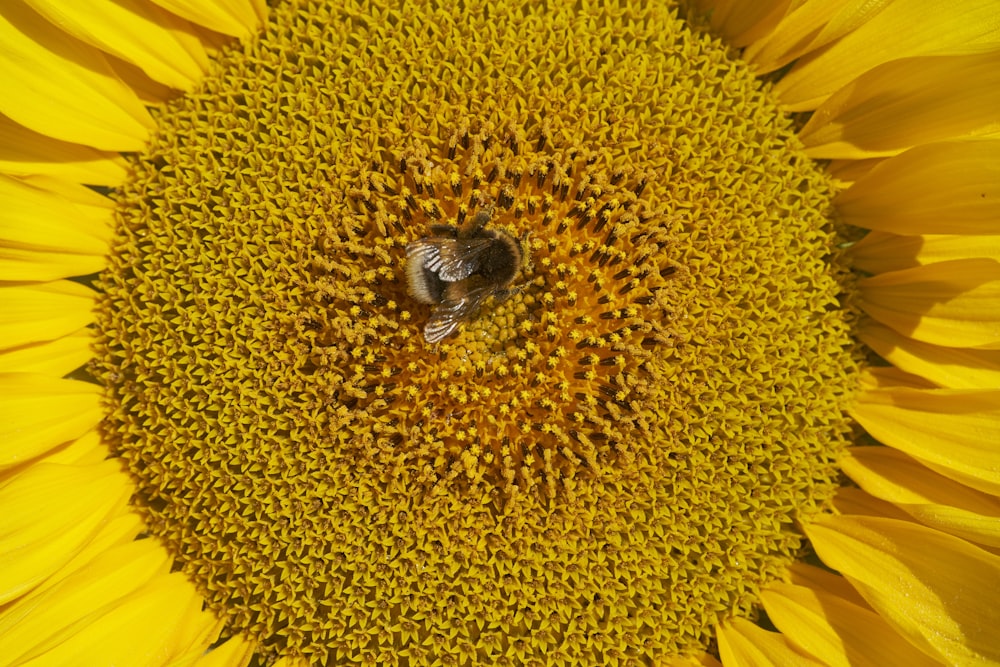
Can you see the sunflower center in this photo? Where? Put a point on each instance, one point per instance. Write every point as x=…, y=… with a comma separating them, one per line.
x=606, y=456
x=549, y=379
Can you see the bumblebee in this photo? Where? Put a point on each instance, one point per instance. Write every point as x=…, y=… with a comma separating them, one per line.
x=456, y=270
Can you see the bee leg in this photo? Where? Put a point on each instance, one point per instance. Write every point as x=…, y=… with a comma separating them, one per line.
x=445, y=230
x=479, y=220
x=502, y=295
x=526, y=263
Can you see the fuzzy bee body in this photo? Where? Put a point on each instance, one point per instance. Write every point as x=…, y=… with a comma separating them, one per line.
x=456, y=270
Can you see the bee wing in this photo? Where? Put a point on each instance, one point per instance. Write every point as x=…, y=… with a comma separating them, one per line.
x=423, y=251
x=446, y=316
x=451, y=259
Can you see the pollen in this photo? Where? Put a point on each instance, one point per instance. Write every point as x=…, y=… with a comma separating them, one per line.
x=594, y=468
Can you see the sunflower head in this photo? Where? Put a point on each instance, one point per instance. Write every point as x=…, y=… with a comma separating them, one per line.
x=506, y=334
x=663, y=390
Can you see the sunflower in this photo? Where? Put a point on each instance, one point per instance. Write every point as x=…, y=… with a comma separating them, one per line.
x=740, y=401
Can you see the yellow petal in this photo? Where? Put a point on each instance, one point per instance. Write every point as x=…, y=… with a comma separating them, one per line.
x=140, y=33
x=811, y=26
x=881, y=252
x=954, y=304
x=161, y=621
x=816, y=578
x=36, y=624
x=854, y=501
x=888, y=377
x=43, y=236
x=122, y=529
x=700, y=660
x=958, y=27
x=947, y=367
x=753, y=20
x=932, y=499
x=840, y=632
x=234, y=652
x=238, y=18
x=21, y=264
x=288, y=661
x=60, y=87
x=906, y=103
x=703, y=660
x=937, y=590
x=191, y=631
x=951, y=187
x=955, y=431
x=85, y=450
x=38, y=413
x=50, y=512
x=260, y=8
x=44, y=311
x=95, y=207
x=54, y=358
x=24, y=151
x=741, y=23
x=849, y=171
x=744, y=644
x=150, y=92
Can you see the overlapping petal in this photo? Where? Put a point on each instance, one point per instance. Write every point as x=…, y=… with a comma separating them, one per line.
x=808, y=27
x=929, y=497
x=51, y=511
x=951, y=187
x=156, y=41
x=869, y=34
x=856, y=502
x=125, y=591
x=65, y=88
x=952, y=304
x=816, y=578
x=39, y=413
x=35, y=313
x=742, y=23
x=52, y=358
x=938, y=590
x=954, y=431
x=238, y=18
x=745, y=644
x=882, y=252
x=837, y=631
x=947, y=367
x=45, y=236
x=24, y=152
x=905, y=103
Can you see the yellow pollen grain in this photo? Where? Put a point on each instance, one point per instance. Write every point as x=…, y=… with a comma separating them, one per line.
x=594, y=470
